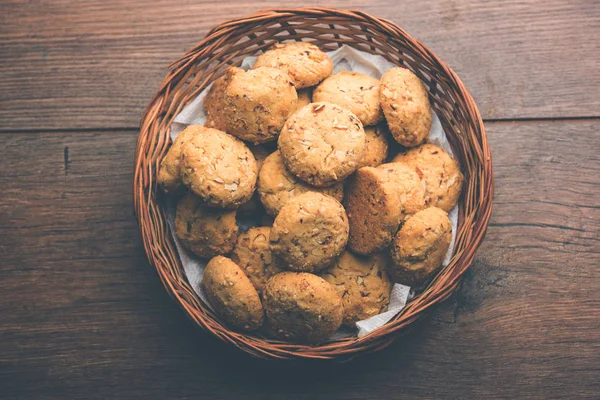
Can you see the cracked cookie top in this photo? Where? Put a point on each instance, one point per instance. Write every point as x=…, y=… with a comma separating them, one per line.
x=322, y=143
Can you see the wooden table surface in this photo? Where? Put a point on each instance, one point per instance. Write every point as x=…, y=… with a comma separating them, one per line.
x=84, y=316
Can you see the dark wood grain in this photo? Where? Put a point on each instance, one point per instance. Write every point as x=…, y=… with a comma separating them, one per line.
x=82, y=314
x=64, y=64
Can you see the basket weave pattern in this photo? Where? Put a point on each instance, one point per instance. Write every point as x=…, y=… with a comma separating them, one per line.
x=228, y=44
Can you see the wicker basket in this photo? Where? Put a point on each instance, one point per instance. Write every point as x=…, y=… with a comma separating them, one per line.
x=227, y=44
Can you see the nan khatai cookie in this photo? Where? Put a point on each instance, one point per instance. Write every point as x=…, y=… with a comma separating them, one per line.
x=363, y=284
x=357, y=92
x=169, y=174
x=253, y=205
x=309, y=232
x=410, y=187
x=304, y=98
x=419, y=248
x=302, y=307
x=256, y=103
x=277, y=185
x=214, y=102
x=440, y=172
x=305, y=63
x=205, y=231
x=322, y=143
x=406, y=106
x=218, y=168
x=252, y=254
x=376, y=202
x=232, y=295
x=376, y=146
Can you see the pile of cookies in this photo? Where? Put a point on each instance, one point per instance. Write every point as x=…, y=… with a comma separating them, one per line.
x=343, y=219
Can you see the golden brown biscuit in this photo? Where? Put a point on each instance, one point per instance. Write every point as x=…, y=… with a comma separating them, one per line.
x=376, y=201
x=309, y=232
x=376, y=146
x=363, y=284
x=354, y=91
x=322, y=143
x=205, y=231
x=420, y=246
x=277, y=185
x=406, y=106
x=218, y=168
x=169, y=174
x=252, y=254
x=304, y=98
x=306, y=64
x=253, y=206
x=214, y=103
x=232, y=295
x=440, y=172
x=302, y=307
x=410, y=187
x=256, y=103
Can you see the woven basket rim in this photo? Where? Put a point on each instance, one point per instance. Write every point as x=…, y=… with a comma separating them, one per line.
x=153, y=142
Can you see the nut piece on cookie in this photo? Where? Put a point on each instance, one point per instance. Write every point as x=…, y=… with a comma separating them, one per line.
x=256, y=103
x=406, y=106
x=420, y=246
x=376, y=146
x=354, y=91
x=304, y=98
x=363, y=284
x=205, y=231
x=232, y=295
x=302, y=307
x=440, y=172
x=305, y=63
x=322, y=143
x=218, y=168
x=169, y=174
x=376, y=201
x=253, y=206
x=252, y=254
x=309, y=232
x=277, y=185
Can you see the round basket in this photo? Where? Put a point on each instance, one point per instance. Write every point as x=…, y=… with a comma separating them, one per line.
x=226, y=45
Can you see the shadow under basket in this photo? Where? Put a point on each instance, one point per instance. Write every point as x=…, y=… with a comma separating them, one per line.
x=228, y=44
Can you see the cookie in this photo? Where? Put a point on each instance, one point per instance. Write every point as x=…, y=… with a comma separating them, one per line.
x=304, y=98
x=277, y=185
x=322, y=143
x=252, y=254
x=309, y=232
x=257, y=103
x=376, y=146
x=363, y=284
x=302, y=307
x=205, y=231
x=409, y=185
x=214, y=103
x=420, y=246
x=440, y=172
x=169, y=173
x=232, y=295
x=354, y=91
x=305, y=63
x=218, y=168
x=254, y=206
x=406, y=106
x=375, y=201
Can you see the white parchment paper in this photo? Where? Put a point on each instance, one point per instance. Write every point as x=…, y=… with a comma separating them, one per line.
x=344, y=58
